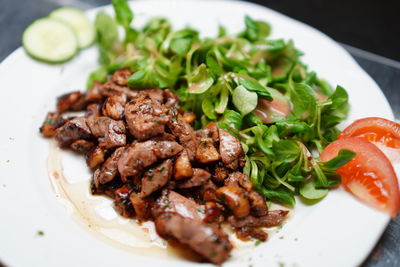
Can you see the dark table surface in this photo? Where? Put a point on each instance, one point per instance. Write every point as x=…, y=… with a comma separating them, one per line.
x=15, y=15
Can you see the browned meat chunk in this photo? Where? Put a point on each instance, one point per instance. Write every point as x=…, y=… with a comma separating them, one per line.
x=135, y=158
x=142, y=206
x=109, y=169
x=171, y=100
x=95, y=157
x=257, y=202
x=273, y=218
x=110, y=88
x=93, y=110
x=52, y=122
x=145, y=118
x=200, y=177
x=155, y=178
x=141, y=155
x=154, y=94
x=208, y=241
x=122, y=203
x=121, y=77
x=208, y=191
x=114, y=107
x=67, y=101
x=213, y=213
x=230, y=149
x=93, y=94
x=73, y=130
x=239, y=179
x=82, y=146
x=110, y=133
x=185, y=134
x=182, y=168
x=166, y=149
x=235, y=199
x=258, y=205
x=171, y=201
x=247, y=233
x=206, y=152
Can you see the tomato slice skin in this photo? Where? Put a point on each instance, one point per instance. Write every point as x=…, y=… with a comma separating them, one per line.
x=375, y=130
x=369, y=176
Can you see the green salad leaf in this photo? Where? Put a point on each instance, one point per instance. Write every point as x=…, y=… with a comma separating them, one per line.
x=256, y=88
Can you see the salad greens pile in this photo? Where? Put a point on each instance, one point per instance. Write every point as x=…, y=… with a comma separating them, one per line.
x=254, y=87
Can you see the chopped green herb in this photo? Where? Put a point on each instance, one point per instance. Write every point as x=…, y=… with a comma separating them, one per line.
x=257, y=243
x=166, y=205
x=201, y=210
x=40, y=233
x=161, y=168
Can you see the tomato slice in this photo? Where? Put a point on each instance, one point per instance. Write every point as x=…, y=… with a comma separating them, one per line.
x=369, y=175
x=375, y=130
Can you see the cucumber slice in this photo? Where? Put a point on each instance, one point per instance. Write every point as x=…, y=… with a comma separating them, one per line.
x=50, y=40
x=78, y=21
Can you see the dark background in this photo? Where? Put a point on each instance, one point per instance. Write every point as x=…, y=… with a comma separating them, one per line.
x=370, y=25
x=373, y=26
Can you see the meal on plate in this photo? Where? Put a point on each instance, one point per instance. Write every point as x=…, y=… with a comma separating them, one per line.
x=195, y=133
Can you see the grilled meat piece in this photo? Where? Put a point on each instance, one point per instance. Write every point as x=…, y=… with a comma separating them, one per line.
x=143, y=154
x=182, y=168
x=235, y=199
x=273, y=218
x=171, y=100
x=82, y=146
x=73, y=130
x=93, y=94
x=114, y=107
x=52, y=122
x=213, y=213
x=230, y=149
x=171, y=201
x=122, y=203
x=95, y=157
x=109, y=169
x=110, y=88
x=155, y=178
x=185, y=134
x=67, y=101
x=110, y=133
x=154, y=94
x=93, y=110
x=208, y=191
x=208, y=241
x=257, y=202
x=145, y=118
x=121, y=76
x=258, y=205
x=200, y=177
x=206, y=152
x=142, y=206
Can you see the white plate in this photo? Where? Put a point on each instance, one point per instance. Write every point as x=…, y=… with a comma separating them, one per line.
x=339, y=231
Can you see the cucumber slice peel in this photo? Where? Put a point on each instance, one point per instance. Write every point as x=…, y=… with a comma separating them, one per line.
x=79, y=23
x=50, y=40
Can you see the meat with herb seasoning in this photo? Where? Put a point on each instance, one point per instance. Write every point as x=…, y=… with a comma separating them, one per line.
x=147, y=157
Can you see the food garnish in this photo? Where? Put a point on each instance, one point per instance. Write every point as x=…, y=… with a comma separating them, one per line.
x=58, y=37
